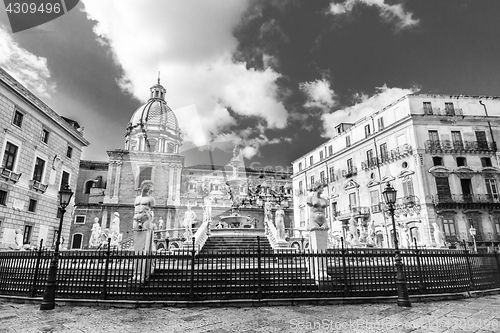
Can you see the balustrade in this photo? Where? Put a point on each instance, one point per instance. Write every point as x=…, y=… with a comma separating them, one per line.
x=448, y=146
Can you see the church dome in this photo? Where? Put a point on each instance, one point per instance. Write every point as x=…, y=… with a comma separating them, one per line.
x=154, y=127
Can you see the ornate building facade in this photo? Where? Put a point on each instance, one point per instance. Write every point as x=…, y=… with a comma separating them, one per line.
x=40, y=155
x=152, y=152
x=440, y=154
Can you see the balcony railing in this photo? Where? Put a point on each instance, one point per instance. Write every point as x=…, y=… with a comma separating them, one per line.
x=466, y=199
x=37, y=186
x=353, y=212
x=442, y=112
x=10, y=175
x=448, y=146
x=387, y=157
x=349, y=172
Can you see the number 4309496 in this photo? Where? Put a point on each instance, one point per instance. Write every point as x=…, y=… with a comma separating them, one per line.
x=33, y=8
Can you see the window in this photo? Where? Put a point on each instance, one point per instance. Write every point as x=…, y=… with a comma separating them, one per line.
x=300, y=187
x=76, y=243
x=330, y=150
x=9, y=156
x=192, y=186
x=32, y=205
x=352, y=200
x=491, y=188
x=27, y=234
x=322, y=176
x=449, y=227
x=302, y=217
x=335, y=211
x=347, y=141
x=321, y=156
x=461, y=161
x=64, y=180
x=380, y=123
x=144, y=174
x=427, y=108
x=443, y=188
x=80, y=219
x=349, y=165
x=456, y=138
x=485, y=162
x=45, y=136
x=311, y=160
x=434, y=136
x=408, y=190
x=58, y=215
x=332, y=174
x=300, y=166
x=384, y=155
x=312, y=181
x=367, y=131
x=88, y=185
x=18, y=118
x=69, y=152
x=369, y=158
x=39, y=167
x=374, y=197
x=3, y=198
x=449, y=109
x=496, y=221
x=437, y=160
x=482, y=143
x=414, y=234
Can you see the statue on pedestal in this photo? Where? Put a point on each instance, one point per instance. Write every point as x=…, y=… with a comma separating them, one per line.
x=280, y=223
x=438, y=235
x=95, y=237
x=208, y=209
x=403, y=234
x=318, y=205
x=19, y=239
x=267, y=210
x=189, y=217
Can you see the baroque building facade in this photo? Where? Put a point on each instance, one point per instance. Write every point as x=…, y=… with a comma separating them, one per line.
x=40, y=153
x=438, y=151
x=152, y=152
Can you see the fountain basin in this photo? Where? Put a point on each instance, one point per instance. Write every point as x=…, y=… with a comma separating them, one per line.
x=236, y=221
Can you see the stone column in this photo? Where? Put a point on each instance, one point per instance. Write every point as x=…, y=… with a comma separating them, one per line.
x=117, y=181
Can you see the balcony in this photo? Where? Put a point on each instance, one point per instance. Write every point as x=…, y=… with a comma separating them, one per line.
x=353, y=212
x=404, y=206
x=370, y=164
x=466, y=201
x=37, y=186
x=349, y=172
x=376, y=209
x=10, y=175
x=459, y=147
x=442, y=112
x=388, y=157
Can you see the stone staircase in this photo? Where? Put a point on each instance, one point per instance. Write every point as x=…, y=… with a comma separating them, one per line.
x=223, y=244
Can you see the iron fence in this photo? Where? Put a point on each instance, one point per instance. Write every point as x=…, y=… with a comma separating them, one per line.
x=244, y=274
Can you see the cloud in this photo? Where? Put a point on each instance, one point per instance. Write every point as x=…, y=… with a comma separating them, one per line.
x=30, y=70
x=389, y=13
x=365, y=106
x=192, y=45
x=319, y=95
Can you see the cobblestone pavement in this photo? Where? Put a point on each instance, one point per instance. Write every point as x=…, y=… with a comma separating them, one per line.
x=464, y=315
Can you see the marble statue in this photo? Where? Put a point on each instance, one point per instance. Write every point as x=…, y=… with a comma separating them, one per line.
x=161, y=224
x=189, y=217
x=404, y=237
x=280, y=223
x=95, y=236
x=267, y=210
x=318, y=205
x=19, y=239
x=115, y=224
x=208, y=209
x=143, y=205
x=438, y=235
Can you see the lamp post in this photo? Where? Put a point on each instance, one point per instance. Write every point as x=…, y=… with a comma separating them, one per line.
x=403, y=300
x=472, y=232
x=49, y=301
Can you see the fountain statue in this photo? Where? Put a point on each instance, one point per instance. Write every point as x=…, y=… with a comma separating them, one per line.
x=235, y=220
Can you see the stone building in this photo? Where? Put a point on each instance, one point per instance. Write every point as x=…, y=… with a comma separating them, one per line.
x=152, y=152
x=40, y=153
x=440, y=154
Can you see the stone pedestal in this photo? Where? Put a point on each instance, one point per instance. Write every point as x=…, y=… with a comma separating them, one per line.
x=318, y=238
x=143, y=245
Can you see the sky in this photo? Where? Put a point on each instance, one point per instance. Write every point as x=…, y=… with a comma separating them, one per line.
x=275, y=76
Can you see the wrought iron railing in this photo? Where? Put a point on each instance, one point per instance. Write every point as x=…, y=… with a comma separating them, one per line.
x=465, y=198
x=350, y=172
x=253, y=274
x=442, y=112
x=449, y=146
x=387, y=157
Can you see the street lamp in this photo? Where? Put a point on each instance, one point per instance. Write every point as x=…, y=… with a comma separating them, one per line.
x=49, y=296
x=403, y=300
x=472, y=232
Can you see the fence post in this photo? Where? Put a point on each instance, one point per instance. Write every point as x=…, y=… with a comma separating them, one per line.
x=498, y=261
x=421, y=285
x=104, y=292
x=191, y=287
x=466, y=251
x=344, y=268
x=37, y=267
x=259, y=273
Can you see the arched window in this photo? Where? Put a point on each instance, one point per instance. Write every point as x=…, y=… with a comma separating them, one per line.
x=76, y=242
x=144, y=174
x=437, y=160
x=414, y=234
x=88, y=185
x=461, y=161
